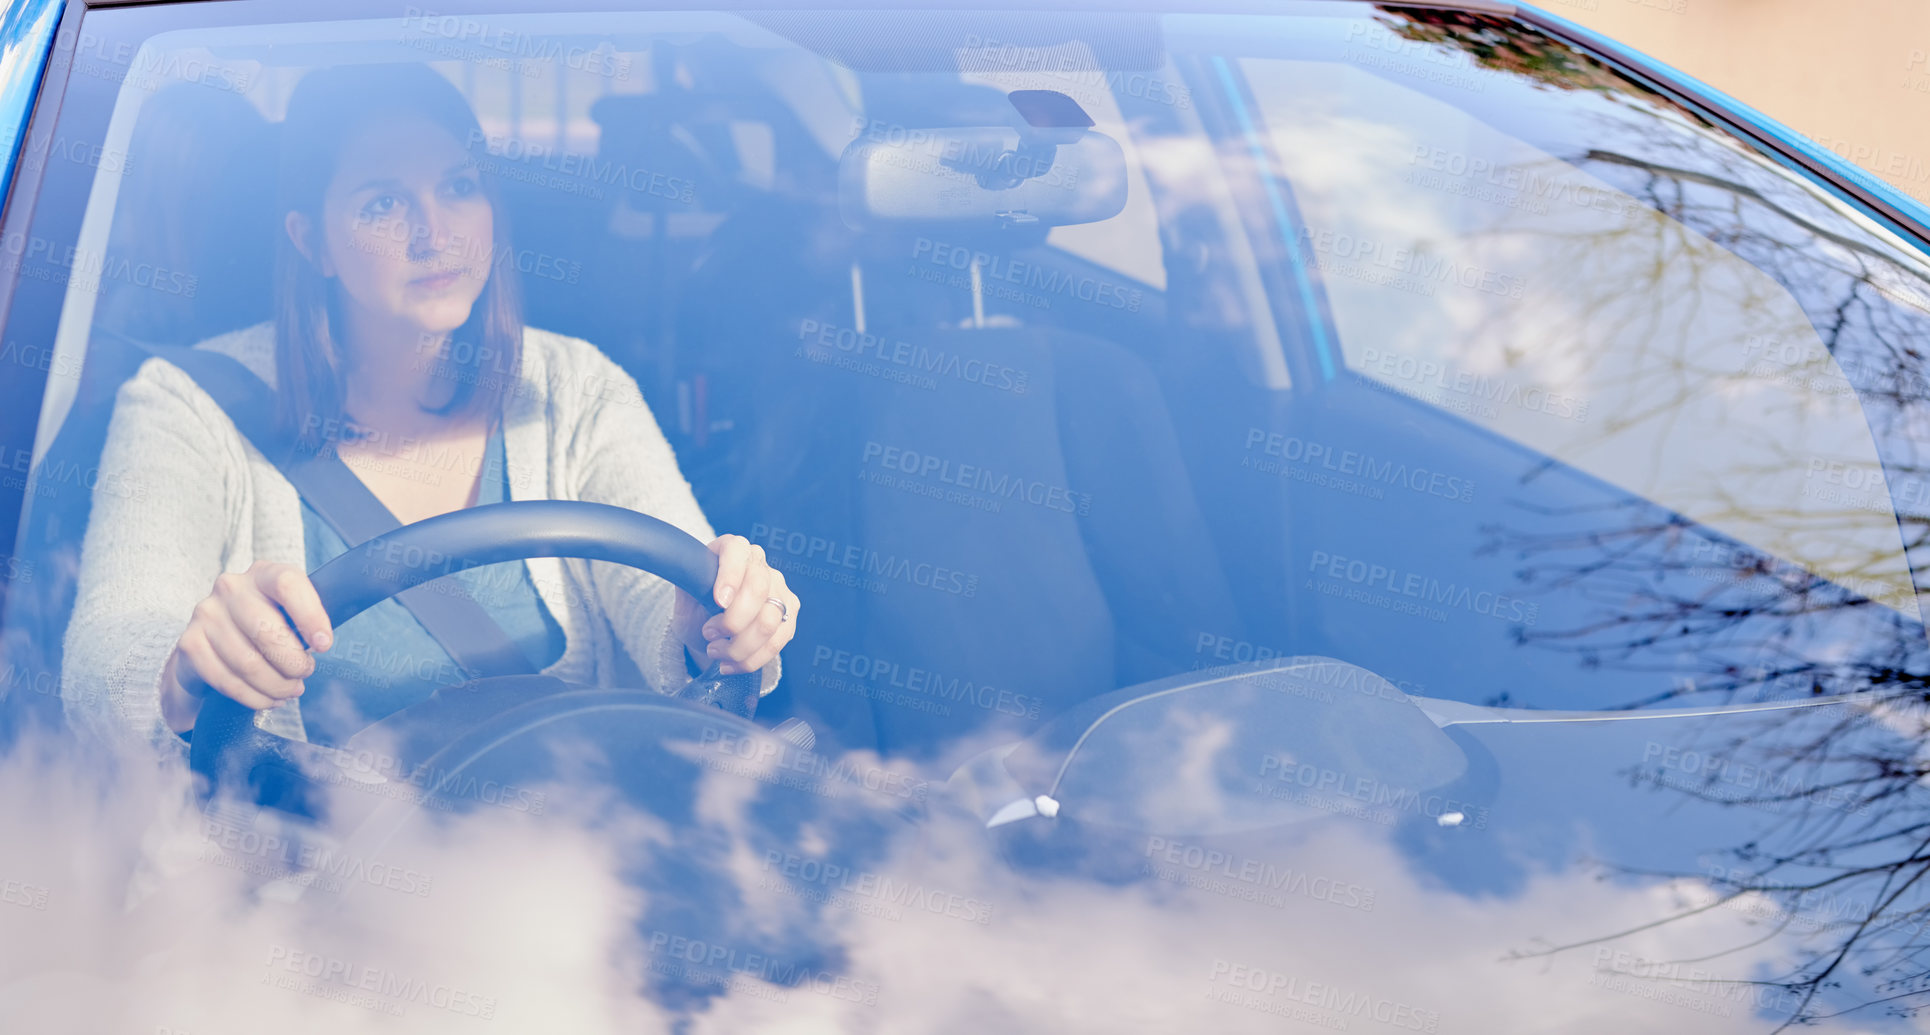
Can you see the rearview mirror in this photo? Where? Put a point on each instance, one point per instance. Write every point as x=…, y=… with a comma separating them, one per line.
x=989, y=176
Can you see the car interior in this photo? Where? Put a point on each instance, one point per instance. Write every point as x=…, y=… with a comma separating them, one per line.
x=802, y=341
x=760, y=218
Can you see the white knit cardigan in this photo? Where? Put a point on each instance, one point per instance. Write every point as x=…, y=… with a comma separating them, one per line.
x=192, y=499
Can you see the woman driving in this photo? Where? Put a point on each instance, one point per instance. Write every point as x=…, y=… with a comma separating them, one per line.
x=397, y=345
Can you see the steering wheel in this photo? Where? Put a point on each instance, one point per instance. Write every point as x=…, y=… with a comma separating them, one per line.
x=228, y=748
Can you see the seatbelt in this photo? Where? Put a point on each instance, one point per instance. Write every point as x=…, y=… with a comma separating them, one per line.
x=473, y=640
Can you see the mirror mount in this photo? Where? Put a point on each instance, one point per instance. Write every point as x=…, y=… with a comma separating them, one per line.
x=1052, y=120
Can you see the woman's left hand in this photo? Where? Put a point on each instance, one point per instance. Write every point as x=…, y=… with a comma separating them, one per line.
x=760, y=611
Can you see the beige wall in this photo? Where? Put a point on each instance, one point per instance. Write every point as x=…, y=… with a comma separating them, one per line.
x=1854, y=75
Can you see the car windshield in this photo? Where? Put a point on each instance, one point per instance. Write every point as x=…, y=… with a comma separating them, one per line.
x=1049, y=356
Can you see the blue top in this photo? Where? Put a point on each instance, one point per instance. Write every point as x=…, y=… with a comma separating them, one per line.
x=383, y=660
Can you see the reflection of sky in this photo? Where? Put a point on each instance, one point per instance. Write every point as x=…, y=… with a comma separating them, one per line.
x=1658, y=331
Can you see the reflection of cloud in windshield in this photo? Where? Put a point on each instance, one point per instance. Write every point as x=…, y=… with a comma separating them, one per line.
x=502, y=919
x=1067, y=954
x=505, y=921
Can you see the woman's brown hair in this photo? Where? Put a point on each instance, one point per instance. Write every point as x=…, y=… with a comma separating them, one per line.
x=328, y=107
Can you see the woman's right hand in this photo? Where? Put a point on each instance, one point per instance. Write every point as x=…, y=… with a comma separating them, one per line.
x=239, y=643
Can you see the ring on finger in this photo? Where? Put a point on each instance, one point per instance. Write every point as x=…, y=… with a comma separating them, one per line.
x=783, y=609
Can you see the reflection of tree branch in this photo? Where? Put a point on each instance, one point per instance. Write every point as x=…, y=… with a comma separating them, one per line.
x=1583, y=943
x=1741, y=191
x=1814, y=984
x=1632, y=561
x=1645, y=309
x=1656, y=607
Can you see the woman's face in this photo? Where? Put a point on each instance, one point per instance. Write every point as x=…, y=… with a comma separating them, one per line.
x=406, y=229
